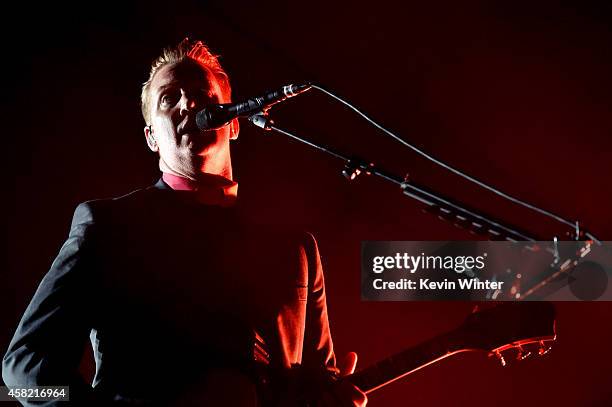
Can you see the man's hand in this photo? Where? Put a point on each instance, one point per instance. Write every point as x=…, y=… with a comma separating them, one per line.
x=342, y=392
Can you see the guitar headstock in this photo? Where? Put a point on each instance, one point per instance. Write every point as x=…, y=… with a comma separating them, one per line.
x=512, y=330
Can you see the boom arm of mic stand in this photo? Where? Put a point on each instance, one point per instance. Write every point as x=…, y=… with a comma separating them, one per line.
x=445, y=208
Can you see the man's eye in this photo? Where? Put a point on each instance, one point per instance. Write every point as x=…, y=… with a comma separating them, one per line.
x=168, y=100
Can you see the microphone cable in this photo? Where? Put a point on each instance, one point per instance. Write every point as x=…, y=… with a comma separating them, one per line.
x=573, y=225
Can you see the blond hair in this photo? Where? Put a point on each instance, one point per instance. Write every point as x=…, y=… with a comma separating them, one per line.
x=186, y=49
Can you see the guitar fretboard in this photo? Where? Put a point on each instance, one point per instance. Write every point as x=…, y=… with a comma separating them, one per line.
x=404, y=363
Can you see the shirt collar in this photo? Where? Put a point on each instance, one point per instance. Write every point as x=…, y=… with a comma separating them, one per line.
x=210, y=189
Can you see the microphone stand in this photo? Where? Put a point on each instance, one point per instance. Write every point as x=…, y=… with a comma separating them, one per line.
x=448, y=209
x=445, y=208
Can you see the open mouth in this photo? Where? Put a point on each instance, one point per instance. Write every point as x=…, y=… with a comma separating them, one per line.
x=194, y=139
x=189, y=126
x=191, y=130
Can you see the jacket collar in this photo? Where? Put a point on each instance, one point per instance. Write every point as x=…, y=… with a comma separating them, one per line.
x=160, y=184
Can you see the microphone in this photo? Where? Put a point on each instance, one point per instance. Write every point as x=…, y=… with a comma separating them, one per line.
x=216, y=116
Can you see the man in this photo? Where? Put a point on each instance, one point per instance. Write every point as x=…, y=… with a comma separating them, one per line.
x=186, y=302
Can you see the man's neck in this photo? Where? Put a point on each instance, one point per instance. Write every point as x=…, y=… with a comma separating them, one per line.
x=211, y=189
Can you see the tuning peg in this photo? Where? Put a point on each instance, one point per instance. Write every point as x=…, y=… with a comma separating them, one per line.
x=499, y=356
x=543, y=349
x=522, y=353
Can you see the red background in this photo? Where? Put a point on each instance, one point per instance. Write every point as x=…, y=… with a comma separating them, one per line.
x=517, y=95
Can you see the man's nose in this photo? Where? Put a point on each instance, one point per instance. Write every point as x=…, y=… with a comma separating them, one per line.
x=188, y=104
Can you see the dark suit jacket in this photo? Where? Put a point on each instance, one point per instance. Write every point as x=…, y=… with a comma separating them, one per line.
x=169, y=290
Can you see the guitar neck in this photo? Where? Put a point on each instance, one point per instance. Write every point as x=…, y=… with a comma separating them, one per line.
x=406, y=362
x=506, y=327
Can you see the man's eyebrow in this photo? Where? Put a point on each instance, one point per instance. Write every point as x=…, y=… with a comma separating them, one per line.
x=208, y=90
x=166, y=86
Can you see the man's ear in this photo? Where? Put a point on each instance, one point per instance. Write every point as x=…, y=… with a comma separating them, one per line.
x=234, y=129
x=148, y=131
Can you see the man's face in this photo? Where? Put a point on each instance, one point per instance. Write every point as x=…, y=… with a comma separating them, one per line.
x=177, y=93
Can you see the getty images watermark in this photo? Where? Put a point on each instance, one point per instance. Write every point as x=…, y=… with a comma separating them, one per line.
x=479, y=271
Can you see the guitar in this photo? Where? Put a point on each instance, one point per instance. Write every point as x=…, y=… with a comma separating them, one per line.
x=514, y=330
x=510, y=331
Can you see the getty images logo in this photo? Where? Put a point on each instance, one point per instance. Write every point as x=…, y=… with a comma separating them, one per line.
x=404, y=261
